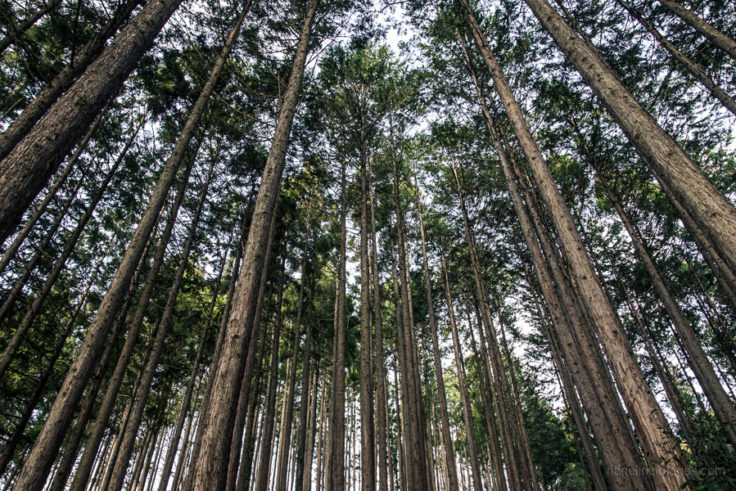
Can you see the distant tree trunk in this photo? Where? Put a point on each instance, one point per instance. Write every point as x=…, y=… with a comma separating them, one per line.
x=447, y=442
x=402, y=394
x=380, y=357
x=14, y=32
x=12, y=249
x=367, y=448
x=719, y=400
x=269, y=413
x=26, y=168
x=335, y=475
x=51, y=277
x=653, y=428
x=697, y=70
x=716, y=37
x=415, y=452
x=462, y=382
x=305, y=401
x=22, y=124
x=684, y=180
x=303, y=482
x=288, y=411
x=211, y=471
x=116, y=379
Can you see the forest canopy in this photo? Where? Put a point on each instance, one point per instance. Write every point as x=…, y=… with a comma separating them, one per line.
x=328, y=244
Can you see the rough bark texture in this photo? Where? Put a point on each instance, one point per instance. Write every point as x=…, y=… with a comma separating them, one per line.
x=27, y=167
x=210, y=471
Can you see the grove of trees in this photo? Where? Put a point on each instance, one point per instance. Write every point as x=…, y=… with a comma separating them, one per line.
x=331, y=244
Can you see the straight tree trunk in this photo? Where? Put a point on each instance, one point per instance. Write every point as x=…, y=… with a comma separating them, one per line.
x=448, y=445
x=695, y=69
x=367, y=448
x=684, y=181
x=380, y=368
x=462, y=382
x=22, y=124
x=335, y=475
x=304, y=403
x=288, y=411
x=211, y=471
x=27, y=167
x=717, y=37
x=660, y=446
x=269, y=411
x=303, y=482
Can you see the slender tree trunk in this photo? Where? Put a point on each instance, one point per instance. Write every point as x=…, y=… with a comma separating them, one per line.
x=211, y=471
x=28, y=166
x=304, y=482
x=269, y=414
x=661, y=448
x=448, y=445
x=335, y=475
x=695, y=69
x=15, y=32
x=50, y=93
x=684, y=181
x=462, y=382
x=288, y=410
x=381, y=396
x=367, y=449
x=304, y=411
x=714, y=35
x=415, y=453
x=188, y=392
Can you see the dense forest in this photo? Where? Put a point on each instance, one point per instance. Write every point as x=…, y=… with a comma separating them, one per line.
x=331, y=244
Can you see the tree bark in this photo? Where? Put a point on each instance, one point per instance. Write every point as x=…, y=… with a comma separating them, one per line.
x=335, y=475
x=714, y=35
x=211, y=471
x=28, y=166
x=660, y=446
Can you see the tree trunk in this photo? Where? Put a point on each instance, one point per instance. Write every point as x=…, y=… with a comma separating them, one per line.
x=448, y=445
x=303, y=482
x=367, y=449
x=288, y=411
x=305, y=431
x=716, y=37
x=211, y=471
x=380, y=357
x=269, y=414
x=661, y=448
x=335, y=475
x=465, y=396
x=28, y=166
x=15, y=32
x=695, y=69
x=50, y=93
x=684, y=180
